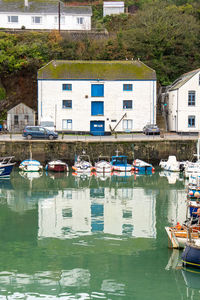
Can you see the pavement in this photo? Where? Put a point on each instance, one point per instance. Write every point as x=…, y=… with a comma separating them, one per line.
x=109, y=138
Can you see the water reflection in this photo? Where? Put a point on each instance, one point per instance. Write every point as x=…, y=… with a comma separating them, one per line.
x=72, y=237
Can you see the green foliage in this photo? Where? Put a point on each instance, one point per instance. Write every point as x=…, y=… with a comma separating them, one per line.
x=2, y=93
x=162, y=33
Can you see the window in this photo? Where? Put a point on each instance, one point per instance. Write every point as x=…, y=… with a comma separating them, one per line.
x=191, y=121
x=67, y=212
x=16, y=120
x=67, y=124
x=67, y=104
x=127, y=87
x=191, y=98
x=62, y=20
x=26, y=118
x=80, y=21
x=36, y=20
x=67, y=87
x=127, y=124
x=97, y=108
x=127, y=104
x=12, y=19
x=97, y=90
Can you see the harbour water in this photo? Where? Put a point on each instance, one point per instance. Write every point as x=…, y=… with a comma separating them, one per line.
x=92, y=237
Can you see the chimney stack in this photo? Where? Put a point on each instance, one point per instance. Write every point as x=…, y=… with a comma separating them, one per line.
x=26, y=3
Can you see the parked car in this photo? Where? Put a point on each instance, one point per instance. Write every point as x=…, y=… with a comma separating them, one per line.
x=151, y=129
x=39, y=132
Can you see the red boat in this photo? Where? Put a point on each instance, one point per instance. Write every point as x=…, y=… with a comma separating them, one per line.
x=57, y=166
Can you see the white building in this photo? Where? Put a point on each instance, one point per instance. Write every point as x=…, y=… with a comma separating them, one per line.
x=44, y=15
x=113, y=8
x=184, y=103
x=97, y=96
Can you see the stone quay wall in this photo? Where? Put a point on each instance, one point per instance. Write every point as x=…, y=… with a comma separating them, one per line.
x=149, y=151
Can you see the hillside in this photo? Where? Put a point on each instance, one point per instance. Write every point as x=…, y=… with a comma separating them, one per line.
x=163, y=34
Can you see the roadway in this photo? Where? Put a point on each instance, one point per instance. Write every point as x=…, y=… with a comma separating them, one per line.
x=111, y=138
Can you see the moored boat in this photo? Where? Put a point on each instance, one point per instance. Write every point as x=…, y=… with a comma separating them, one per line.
x=178, y=235
x=103, y=165
x=191, y=254
x=57, y=166
x=171, y=164
x=30, y=165
x=83, y=164
x=6, y=166
x=119, y=163
x=142, y=166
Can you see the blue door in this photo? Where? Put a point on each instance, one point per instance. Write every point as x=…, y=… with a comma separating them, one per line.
x=97, y=108
x=97, y=127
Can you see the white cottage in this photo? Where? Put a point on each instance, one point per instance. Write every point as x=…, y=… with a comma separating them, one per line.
x=184, y=103
x=44, y=15
x=113, y=8
x=97, y=96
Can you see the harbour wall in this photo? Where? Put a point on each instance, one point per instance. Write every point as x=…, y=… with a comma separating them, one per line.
x=150, y=151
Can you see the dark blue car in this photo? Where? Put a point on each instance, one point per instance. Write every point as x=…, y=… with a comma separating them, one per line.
x=38, y=132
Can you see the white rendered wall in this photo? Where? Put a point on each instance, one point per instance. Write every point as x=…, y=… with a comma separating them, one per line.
x=48, y=21
x=178, y=106
x=112, y=11
x=143, y=96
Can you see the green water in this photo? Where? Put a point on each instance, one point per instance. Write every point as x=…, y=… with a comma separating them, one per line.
x=65, y=237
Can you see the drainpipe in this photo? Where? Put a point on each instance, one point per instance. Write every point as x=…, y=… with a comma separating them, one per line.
x=177, y=113
x=59, y=16
x=153, y=102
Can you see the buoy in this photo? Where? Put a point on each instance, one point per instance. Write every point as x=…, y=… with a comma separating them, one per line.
x=197, y=194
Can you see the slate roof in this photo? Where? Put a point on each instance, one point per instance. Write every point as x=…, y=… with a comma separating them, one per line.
x=103, y=70
x=183, y=79
x=42, y=7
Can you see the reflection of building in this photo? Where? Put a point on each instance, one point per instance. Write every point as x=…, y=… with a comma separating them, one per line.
x=176, y=206
x=124, y=211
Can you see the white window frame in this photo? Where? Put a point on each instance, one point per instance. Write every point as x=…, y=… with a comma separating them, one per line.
x=127, y=124
x=80, y=20
x=33, y=20
x=67, y=124
x=62, y=20
x=10, y=19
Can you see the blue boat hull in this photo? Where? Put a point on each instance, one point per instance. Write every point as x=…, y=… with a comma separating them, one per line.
x=191, y=256
x=6, y=170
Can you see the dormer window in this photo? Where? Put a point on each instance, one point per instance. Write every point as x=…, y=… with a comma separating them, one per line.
x=12, y=19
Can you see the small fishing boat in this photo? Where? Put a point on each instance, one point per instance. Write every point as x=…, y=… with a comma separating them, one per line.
x=103, y=165
x=142, y=166
x=57, y=166
x=191, y=254
x=119, y=163
x=178, y=235
x=82, y=164
x=192, y=169
x=30, y=165
x=6, y=166
x=171, y=164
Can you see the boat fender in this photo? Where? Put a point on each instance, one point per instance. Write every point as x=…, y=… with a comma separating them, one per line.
x=197, y=194
x=178, y=226
x=191, y=193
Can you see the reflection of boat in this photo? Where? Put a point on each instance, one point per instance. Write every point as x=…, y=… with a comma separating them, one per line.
x=30, y=175
x=57, y=166
x=103, y=165
x=142, y=166
x=82, y=164
x=30, y=165
x=119, y=163
x=56, y=175
x=172, y=177
x=191, y=278
x=6, y=166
